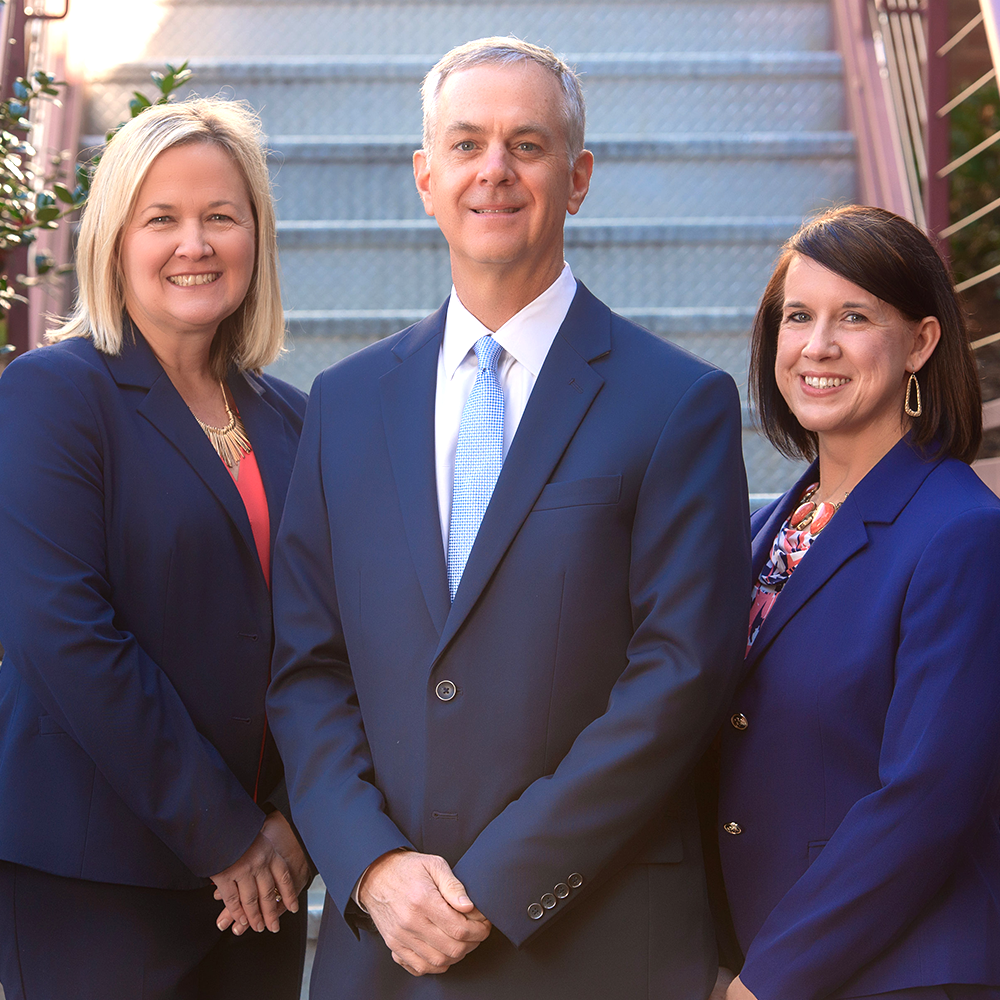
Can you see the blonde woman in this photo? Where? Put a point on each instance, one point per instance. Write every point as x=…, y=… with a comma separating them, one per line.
x=143, y=468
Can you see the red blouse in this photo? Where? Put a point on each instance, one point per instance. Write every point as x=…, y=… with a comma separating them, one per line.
x=251, y=488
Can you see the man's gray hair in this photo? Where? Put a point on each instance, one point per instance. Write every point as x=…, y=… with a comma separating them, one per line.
x=504, y=51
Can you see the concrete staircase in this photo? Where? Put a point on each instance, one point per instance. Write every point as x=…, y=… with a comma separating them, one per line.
x=716, y=125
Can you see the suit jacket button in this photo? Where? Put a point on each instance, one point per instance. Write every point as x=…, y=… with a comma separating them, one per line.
x=445, y=690
x=548, y=901
x=535, y=911
x=733, y=828
x=575, y=880
x=739, y=721
x=561, y=890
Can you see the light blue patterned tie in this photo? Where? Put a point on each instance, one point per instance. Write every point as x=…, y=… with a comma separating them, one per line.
x=478, y=458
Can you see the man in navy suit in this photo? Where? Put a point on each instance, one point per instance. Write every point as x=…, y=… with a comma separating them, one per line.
x=511, y=591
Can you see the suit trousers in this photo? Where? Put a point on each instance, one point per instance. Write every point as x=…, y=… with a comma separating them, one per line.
x=63, y=938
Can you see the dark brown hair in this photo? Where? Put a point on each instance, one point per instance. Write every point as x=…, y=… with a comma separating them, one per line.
x=894, y=261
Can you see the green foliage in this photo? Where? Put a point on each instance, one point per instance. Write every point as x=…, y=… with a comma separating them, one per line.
x=32, y=199
x=977, y=247
x=25, y=206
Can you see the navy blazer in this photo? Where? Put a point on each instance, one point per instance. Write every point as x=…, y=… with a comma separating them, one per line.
x=866, y=779
x=591, y=646
x=135, y=618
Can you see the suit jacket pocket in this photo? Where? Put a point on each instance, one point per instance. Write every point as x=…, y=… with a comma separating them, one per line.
x=580, y=492
x=814, y=848
x=665, y=848
x=47, y=726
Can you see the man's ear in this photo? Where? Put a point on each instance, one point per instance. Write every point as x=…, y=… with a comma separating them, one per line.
x=580, y=176
x=422, y=177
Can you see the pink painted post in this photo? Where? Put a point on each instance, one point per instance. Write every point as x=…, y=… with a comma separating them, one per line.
x=938, y=145
x=870, y=116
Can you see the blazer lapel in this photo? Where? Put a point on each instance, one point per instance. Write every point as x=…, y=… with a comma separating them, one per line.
x=844, y=535
x=407, y=392
x=273, y=444
x=163, y=407
x=562, y=395
x=878, y=498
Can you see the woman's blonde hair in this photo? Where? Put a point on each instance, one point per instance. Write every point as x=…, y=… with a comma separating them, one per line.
x=253, y=336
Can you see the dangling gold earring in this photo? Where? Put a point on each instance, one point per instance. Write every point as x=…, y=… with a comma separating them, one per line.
x=907, y=406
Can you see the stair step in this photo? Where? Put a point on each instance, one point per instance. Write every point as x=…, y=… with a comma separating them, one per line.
x=394, y=233
x=634, y=94
x=349, y=177
x=252, y=28
x=724, y=175
x=672, y=322
x=628, y=263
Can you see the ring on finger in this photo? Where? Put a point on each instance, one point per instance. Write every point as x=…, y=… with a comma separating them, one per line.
x=277, y=894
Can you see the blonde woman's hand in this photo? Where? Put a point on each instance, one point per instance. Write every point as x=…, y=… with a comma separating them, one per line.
x=265, y=882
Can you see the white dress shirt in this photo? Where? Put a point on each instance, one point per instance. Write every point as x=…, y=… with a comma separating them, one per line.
x=525, y=338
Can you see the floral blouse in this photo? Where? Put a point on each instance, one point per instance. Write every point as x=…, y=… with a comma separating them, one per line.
x=787, y=550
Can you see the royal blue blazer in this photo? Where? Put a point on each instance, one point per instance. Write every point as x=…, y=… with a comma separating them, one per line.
x=135, y=619
x=866, y=776
x=593, y=641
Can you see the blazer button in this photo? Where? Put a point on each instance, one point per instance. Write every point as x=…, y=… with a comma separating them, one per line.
x=575, y=880
x=535, y=911
x=548, y=901
x=739, y=721
x=445, y=690
x=733, y=828
x=561, y=890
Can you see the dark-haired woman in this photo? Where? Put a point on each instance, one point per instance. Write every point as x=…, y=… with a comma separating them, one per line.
x=861, y=763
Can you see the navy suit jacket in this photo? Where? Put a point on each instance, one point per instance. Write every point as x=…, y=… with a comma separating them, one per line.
x=135, y=618
x=866, y=780
x=592, y=644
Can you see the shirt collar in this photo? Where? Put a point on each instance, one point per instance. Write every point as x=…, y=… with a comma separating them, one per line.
x=526, y=336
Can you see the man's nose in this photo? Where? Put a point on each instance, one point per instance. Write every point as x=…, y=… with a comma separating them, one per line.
x=496, y=166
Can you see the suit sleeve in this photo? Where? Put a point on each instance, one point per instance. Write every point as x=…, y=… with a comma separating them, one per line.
x=938, y=771
x=59, y=629
x=689, y=582
x=312, y=703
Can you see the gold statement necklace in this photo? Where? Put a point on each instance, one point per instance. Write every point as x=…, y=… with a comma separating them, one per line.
x=231, y=442
x=812, y=515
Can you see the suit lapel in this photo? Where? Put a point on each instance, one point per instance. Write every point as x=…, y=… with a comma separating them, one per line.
x=562, y=395
x=843, y=537
x=273, y=445
x=408, y=392
x=164, y=408
x=878, y=498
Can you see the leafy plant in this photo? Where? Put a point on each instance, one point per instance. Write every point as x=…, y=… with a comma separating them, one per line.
x=31, y=199
x=977, y=183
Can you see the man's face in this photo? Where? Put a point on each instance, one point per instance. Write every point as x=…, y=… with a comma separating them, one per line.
x=497, y=177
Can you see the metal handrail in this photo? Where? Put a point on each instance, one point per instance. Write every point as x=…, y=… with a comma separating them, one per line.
x=988, y=18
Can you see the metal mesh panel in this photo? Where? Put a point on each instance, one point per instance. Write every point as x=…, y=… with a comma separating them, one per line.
x=716, y=126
